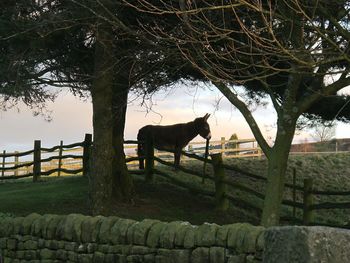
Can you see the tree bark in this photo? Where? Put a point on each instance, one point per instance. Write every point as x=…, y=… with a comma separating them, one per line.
x=123, y=188
x=109, y=178
x=277, y=165
x=101, y=177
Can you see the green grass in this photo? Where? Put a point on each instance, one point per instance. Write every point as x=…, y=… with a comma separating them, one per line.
x=159, y=200
x=164, y=201
x=329, y=172
x=52, y=195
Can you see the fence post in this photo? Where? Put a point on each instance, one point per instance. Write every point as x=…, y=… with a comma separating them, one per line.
x=86, y=154
x=37, y=161
x=259, y=153
x=60, y=158
x=294, y=191
x=3, y=163
x=308, y=214
x=223, y=146
x=336, y=146
x=16, y=163
x=149, y=159
x=220, y=187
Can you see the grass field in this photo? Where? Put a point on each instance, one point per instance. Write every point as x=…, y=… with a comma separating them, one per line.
x=329, y=172
x=164, y=201
x=65, y=195
x=52, y=195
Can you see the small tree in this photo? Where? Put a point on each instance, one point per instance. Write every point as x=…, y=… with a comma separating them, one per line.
x=233, y=145
x=323, y=132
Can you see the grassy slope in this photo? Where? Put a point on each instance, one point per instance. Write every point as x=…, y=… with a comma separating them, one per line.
x=164, y=201
x=328, y=171
x=160, y=200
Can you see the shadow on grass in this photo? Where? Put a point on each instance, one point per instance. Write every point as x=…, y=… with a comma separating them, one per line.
x=159, y=200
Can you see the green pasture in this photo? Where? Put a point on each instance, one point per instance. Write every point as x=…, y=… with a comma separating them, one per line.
x=165, y=201
x=59, y=195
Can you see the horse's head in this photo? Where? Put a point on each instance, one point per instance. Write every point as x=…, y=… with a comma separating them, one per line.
x=202, y=126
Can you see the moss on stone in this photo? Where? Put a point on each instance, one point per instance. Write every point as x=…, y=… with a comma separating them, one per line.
x=190, y=237
x=153, y=237
x=205, y=235
x=119, y=231
x=141, y=231
x=167, y=235
x=17, y=225
x=181, y=233
x=90, y=228
x=105, y=233
x=28, y=221
x=6, y=226
x=200, y=255
x=51, y=229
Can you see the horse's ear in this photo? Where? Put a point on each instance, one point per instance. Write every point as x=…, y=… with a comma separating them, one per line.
x=206, y=116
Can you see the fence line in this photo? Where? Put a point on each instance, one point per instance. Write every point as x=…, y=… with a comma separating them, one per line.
x=45, y=165
x=230, y=149
x=307, y=206
x=35, y=168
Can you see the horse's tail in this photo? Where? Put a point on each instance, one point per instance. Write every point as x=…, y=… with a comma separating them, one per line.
x=141, y=147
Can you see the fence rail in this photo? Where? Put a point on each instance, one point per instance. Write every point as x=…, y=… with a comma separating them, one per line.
x=222, y=182
x=71, y=156
x=67, y=162
x=43, y=166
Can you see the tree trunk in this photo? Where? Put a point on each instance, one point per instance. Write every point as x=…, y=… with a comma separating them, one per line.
x=110, y=179
x=123, y=188
x=102, y=152
x=277, y=165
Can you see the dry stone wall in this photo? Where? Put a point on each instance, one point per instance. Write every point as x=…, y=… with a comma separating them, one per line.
x=301, y=244
x=78, y=238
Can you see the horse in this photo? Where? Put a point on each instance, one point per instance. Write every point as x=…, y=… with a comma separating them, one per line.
x=172, y=137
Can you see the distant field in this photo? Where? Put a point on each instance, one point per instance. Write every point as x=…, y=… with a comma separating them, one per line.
x=165, y=201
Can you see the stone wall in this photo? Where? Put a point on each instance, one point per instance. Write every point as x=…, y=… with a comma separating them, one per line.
x=301, y=244
x=78, y=238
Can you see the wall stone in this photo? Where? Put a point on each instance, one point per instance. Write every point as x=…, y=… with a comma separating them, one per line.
x=300, y=244
x=78, y=238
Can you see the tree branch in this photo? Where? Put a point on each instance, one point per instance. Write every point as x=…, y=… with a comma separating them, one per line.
x=307, y=101
x=247, y=115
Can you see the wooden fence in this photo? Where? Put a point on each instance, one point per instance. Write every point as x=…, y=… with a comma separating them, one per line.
x=229, y=148
x=61, y=158
x=223, y=183
x=38, y=164
x=66, y=159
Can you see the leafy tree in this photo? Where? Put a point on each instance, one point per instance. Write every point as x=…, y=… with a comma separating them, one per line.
x=294, y=53
x=233, y=145
x=91, y=47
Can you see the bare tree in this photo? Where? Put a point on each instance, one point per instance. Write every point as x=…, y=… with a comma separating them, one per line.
x=295, y=52
x=323, y=132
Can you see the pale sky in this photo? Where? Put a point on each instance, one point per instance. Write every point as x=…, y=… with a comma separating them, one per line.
x=72, y=118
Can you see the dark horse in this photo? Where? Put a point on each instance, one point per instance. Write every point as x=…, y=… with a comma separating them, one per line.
x=172, y=137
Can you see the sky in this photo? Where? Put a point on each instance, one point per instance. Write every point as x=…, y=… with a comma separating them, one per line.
x=71, y=118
